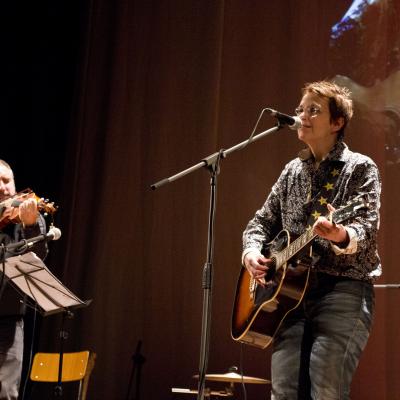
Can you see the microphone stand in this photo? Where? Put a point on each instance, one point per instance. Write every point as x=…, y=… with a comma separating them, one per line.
x=212, y=164
x=138, y=361
x=24, y=244
x=388, y=286
x=63, y=336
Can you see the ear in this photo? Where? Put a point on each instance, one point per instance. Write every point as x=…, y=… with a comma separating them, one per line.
x=337, y=124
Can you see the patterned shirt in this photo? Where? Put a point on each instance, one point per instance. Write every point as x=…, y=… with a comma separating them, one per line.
x=293, y=197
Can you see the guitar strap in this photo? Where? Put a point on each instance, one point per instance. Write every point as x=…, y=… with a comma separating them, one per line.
x=326, y=193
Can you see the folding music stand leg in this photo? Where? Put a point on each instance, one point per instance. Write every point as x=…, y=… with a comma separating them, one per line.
x=58, y=390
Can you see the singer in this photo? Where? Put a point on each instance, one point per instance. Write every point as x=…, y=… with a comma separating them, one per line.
x=317, y=347
x=11, y=308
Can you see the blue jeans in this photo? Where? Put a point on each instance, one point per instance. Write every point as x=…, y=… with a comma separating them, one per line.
x=317, y=348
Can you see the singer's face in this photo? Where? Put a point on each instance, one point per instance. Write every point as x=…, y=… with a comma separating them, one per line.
x=7, y=185
x=317, y=127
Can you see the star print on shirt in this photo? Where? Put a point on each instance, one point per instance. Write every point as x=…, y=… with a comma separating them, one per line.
x=335, y=172
x=316, y=214
x=323, y=200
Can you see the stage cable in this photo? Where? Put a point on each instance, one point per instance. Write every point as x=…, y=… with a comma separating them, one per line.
x=241, y=362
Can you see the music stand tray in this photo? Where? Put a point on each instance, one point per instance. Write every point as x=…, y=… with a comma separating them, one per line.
x=29, y=275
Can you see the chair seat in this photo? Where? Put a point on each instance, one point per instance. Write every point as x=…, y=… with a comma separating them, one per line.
x=45, y=366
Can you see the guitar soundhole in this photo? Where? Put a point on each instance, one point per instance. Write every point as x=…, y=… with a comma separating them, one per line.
x=271, y=270
x=264, y=293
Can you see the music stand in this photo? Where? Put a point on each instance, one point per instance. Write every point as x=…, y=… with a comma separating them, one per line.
x=29, y=275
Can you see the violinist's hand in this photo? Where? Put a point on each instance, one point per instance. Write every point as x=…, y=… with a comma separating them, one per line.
x=28, y=212
x=329, y=230
x=257, y=266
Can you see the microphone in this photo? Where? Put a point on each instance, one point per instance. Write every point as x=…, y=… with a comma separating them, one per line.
x=284, y=119
x=53, y=234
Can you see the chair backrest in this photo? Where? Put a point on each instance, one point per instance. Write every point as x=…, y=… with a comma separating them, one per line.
x=45, y=366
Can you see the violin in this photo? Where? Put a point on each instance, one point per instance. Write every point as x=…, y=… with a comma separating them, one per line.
x=9, y=208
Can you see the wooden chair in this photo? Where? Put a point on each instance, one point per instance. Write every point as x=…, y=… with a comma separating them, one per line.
x=75, y=367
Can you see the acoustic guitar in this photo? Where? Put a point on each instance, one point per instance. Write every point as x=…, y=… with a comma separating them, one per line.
x=258, y=311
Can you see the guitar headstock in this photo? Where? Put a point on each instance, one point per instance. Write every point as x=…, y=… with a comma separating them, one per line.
x=350, y=209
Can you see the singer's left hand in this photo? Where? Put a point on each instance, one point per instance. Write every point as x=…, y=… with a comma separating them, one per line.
x=28, y=212
x=329, y=230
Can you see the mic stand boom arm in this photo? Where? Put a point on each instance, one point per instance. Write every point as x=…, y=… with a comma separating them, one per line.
x=211, y=159
x=212, y=163
x=21, y=246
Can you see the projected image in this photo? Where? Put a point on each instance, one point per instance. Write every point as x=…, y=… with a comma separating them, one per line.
x=365, y=54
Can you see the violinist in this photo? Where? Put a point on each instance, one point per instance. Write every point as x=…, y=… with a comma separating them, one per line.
x=30, y=223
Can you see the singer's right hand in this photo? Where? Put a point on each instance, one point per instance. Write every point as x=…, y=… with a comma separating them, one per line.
x=257, y=266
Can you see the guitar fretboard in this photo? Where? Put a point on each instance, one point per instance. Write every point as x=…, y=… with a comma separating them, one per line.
x=338, y=216
x=294, y=247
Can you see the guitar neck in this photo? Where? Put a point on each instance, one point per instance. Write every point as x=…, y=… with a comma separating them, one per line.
x=338, y=216
x=294, y=247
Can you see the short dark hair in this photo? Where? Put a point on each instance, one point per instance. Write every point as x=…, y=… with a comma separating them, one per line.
x=339, y=98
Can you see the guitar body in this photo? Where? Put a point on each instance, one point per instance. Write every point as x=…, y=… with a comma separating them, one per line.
x=258, y=311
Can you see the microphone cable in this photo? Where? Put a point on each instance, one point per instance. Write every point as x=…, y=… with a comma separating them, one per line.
x=241, y=362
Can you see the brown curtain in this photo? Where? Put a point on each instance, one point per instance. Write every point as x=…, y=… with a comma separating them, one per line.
x=161, y=85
